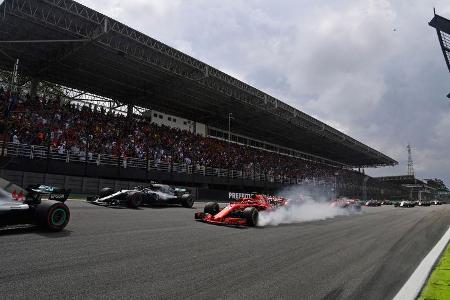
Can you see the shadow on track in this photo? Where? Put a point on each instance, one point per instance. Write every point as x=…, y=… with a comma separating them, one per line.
x=144, y=206
x=28, y=229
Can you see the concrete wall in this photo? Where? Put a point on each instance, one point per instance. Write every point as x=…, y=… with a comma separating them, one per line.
x=81, y=170
x=78, y=185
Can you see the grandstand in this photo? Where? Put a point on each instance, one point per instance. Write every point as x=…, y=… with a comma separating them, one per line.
x=69, y=44
x=85, y=52
x=417, y=189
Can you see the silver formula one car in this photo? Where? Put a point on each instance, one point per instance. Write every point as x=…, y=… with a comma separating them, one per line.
x=154, y=194
x=50, y=215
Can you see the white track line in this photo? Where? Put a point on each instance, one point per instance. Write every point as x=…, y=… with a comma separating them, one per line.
x=413, y=286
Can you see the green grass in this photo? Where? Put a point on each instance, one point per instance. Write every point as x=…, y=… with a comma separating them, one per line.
x=438, y=284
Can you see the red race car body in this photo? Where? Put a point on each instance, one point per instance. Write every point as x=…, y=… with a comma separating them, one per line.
x=242, y=212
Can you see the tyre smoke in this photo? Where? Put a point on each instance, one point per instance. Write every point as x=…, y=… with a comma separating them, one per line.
x=304, y=204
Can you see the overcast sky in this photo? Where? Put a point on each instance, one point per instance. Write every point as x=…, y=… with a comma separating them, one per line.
x=372, y=69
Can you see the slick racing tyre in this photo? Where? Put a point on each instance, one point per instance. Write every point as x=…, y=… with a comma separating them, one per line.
x=134, y=199
x=187, y=202
x=211, y=208
x=251, y=215
x=52, y=215
x=105, y=192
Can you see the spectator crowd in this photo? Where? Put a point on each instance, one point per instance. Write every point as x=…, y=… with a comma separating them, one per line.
x=67, y=127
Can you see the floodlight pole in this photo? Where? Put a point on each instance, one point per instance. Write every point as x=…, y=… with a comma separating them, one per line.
x=14, y=79
x=364, y=188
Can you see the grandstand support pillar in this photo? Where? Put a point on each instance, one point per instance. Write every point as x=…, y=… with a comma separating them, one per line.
x=336, y=194
x=48, y=154
x=364, y=188
x=130, y=108
x=230, y=117
x=15, y=77
x=34, y=87
x=14, y=89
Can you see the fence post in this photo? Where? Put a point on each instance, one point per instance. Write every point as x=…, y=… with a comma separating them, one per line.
x=147, y=162
x=86, y=158
x=48, y=157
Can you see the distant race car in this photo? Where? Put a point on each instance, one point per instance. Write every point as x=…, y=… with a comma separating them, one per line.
x=150, y=195
x=243, y=212
x=349, y=204
x=436, y=202
x=423, y=203
x=386, y=202
x=373, y=203
x=48, y=214
x=406, y=204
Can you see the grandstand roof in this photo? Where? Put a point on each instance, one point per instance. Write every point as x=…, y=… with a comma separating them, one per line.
x=442, y=26
x=401, y=179
x=92, y=52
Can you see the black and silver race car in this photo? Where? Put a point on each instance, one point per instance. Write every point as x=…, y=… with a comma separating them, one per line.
x=154, y=194
x=406, y=204
x=423, y=203
x=48, y=214
x=373, y=203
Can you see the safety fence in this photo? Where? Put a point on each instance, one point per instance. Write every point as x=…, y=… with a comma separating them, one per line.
x=35, y=152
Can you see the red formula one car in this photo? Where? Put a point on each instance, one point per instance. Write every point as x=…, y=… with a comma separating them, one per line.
x=243, y=212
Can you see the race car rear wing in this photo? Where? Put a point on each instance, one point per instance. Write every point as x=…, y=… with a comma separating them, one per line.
x=53, y=193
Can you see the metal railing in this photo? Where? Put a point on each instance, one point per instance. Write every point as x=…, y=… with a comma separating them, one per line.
x=35, y=152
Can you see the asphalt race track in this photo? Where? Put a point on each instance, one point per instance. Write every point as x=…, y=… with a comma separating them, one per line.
x=164, y=253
